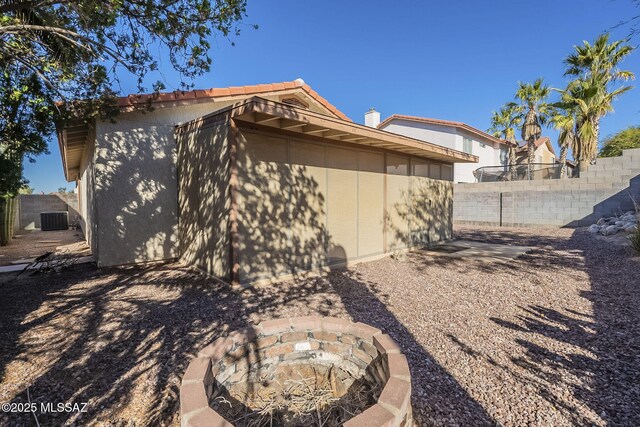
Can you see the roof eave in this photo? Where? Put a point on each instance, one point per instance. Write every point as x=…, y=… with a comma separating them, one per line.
x=286, y=117
x=457, y=125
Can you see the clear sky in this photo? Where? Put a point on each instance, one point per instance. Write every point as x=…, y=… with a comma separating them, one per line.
x=454, y=60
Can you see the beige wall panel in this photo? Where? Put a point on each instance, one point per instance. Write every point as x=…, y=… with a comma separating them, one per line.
x=398, y=202
x=370, y=204
x=214, y=200
x=264, y=214
x=188, y=235
x=204, y=199
x=342, y=204
x=86, y=183
x=308, y=193
x=432, y=210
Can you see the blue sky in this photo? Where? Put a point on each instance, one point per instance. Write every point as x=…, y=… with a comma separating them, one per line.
x=453, y=60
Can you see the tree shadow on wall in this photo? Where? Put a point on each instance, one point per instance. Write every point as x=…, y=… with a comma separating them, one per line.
x=285, y=231
x=423, y=216
x=135, y=194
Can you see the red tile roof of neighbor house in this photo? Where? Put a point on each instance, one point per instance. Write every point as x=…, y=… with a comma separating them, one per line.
x=538, y=142
x=458, y=125
x=213, y=93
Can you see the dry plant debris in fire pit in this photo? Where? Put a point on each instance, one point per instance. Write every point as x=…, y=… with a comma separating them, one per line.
x=301, y=394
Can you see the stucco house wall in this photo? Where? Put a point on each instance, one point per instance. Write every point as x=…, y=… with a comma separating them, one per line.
x=135, y=190
x=204, y=199
x=488, y=152
x=445, y=136
x=300, y=203
x=543, y=155
x=85, y=185
x=145, y=198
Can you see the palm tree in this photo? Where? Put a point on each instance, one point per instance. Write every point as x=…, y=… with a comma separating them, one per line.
x=598, y=63
x=564, y=120
x=503, y=125
x=532, y=97
x=590, y=101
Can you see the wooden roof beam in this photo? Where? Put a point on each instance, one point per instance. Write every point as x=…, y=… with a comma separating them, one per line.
x=354, y=139
x=291, y=124
x=311, y=130
x=335, y=134
x=262, y=118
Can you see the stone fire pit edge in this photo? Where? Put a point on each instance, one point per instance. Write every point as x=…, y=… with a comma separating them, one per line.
x=287, y=339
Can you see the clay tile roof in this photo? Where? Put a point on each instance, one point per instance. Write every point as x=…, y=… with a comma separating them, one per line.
x=458, y=125
x=538, y=142
x=200, y=94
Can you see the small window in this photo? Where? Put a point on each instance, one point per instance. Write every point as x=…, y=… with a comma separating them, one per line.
x=467, y=145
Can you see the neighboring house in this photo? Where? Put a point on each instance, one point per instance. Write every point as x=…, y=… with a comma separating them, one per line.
x=250, y=188
x=544, y=151
x=490, y=150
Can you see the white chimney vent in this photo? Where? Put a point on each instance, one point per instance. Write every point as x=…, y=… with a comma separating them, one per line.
x=372, y=118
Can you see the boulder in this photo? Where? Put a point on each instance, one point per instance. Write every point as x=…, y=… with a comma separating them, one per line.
x=609, y=230
x=593, y=229
x=630, y=228
x=601, y=221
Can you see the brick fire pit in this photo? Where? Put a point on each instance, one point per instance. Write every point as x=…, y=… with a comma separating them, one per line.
x=296, y=371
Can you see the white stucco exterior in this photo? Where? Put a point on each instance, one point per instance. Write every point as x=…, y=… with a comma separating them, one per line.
x=489, y=152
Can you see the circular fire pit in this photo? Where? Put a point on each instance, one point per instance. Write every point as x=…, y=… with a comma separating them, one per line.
x=300, y=371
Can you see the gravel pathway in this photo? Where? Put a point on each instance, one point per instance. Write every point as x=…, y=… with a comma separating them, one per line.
x=550, y=338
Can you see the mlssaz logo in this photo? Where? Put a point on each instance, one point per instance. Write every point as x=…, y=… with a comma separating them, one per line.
x=51, y=407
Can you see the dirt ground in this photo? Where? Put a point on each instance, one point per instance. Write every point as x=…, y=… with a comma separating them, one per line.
x=550, y=338
x=28, y=244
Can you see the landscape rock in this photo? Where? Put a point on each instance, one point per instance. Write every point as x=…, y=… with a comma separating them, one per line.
x=595, y=228
x=611, y=225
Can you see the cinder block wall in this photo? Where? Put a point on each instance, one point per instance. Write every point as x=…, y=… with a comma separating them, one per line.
x=607, y=188
x=31, y=205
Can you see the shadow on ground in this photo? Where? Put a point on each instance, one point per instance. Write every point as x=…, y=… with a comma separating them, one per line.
x=602, y=372
x=120, y=339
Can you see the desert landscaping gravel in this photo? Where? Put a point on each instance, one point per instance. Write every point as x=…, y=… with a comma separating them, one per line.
x=550, y=338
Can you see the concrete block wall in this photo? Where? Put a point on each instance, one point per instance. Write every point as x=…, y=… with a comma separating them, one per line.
x=605, y=189
x=31, y=205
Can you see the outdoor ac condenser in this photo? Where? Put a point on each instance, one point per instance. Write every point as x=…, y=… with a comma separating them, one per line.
x=50, y=221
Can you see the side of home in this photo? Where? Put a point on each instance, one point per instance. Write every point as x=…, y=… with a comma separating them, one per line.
x=126, y=171
x=257, y=187
x=458, y=136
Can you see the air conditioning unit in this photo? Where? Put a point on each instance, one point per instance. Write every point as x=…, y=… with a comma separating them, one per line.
x=50, y=221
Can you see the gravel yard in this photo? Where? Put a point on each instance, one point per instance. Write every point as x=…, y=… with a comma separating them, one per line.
x=550, y=338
